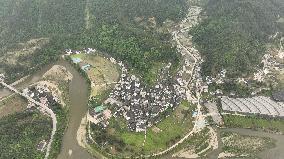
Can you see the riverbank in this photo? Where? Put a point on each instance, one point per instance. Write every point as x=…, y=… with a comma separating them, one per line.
x=273, y=153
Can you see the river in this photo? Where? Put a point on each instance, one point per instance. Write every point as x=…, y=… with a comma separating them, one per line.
x=78, y=91
x=78, y=107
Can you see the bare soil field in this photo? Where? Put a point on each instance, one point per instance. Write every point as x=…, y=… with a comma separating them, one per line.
x=58, y=73
x=11, y=105
x=243, y=145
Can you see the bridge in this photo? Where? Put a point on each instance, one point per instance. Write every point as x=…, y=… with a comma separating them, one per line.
x=44, y=108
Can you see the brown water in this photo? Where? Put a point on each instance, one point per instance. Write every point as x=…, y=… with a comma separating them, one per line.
x=78, y=107
x=78, y=91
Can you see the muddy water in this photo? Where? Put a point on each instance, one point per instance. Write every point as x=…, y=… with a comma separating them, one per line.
x=78, y=91
x=78, y=107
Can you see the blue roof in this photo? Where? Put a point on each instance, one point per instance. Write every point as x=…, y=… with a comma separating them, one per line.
x=99, y=108
x=76, y=60
x=85, y=67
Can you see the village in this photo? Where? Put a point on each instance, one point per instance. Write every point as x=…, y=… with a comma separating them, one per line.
x=139, y=105
x=142, y=106
x=142, y=79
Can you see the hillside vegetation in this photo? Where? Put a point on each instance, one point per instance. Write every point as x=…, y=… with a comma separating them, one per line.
x=21, y=133
x=234, y=34
x=111, y=26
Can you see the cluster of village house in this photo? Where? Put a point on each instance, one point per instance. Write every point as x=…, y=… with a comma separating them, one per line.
x=42, y=94
x=2, y=77
x=77, y=60
x=69, y=52
x=263, y=74
x=99, y=115
x=139, y=104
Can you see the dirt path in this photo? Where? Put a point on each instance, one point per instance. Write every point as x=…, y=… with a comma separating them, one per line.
x=87, y=15
x=213, y=142
x=19, y=81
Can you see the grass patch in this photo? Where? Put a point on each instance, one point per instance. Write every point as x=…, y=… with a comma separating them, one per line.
x=81, y=56
x=252, y=122
x=195, y=143
x=102, y=72
x=12, y=104
x=153, y=73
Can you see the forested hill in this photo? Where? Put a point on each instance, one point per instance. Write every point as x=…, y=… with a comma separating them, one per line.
x=235, y=33
x=123, y=28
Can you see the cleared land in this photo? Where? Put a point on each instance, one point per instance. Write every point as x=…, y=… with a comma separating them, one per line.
x=101, y=72
x=246, y=146
x=58, y=73
x=195, y=144
x=12, y=104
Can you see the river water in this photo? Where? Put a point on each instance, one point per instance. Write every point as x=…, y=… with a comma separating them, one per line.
x=78, y=91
